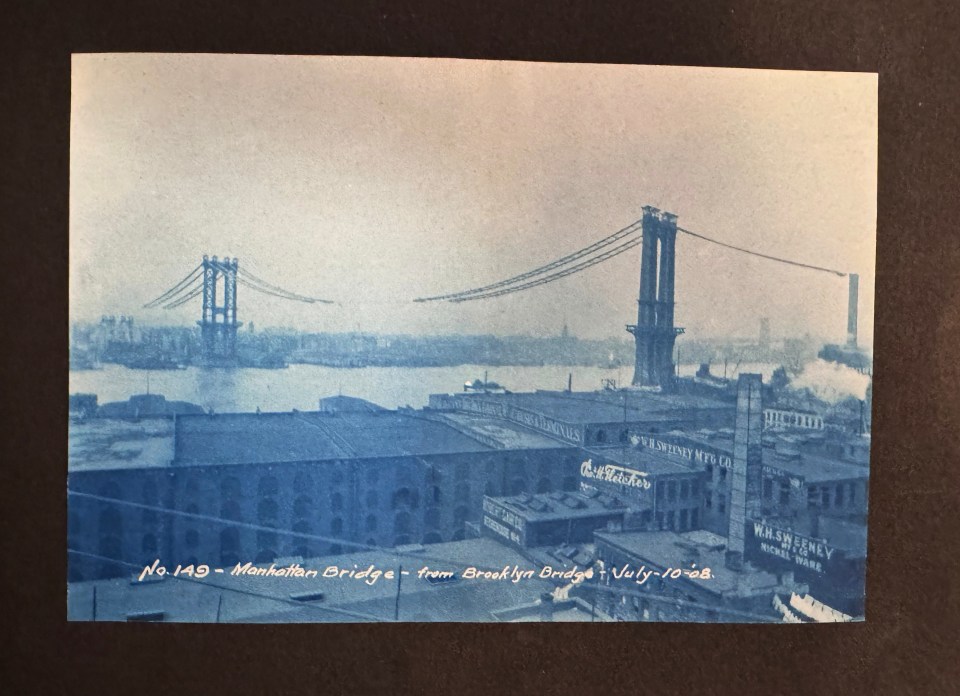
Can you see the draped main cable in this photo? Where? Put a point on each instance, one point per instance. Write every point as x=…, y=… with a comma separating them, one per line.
x=616, y=251
x=176, y=289
x=192, y=285
x=590, y=256
x=586, y=251
x=255, y=283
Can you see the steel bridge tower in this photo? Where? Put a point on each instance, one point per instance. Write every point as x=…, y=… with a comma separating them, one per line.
x=654, y=331
x=218, y=323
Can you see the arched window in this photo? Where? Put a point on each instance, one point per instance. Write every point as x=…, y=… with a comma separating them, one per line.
x=401, y=522
x=230, y=510
x=265, y=556
x=149, y=492
x=266, y=539
x=435, y=494
x=302, y=482
x=191, y=485
x=74, y=527
x=149, y=543
x=110, y=547
x=302, y=506
x=404, y=498
x=230, y=546
x=601, y=436
x=267, y=510
x=268, y=486
x=110, y=490
x=149, y=518
x=111, y=521
x=230, y=488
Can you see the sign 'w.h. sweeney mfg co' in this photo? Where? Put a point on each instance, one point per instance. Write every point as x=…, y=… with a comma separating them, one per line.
x=790, y=547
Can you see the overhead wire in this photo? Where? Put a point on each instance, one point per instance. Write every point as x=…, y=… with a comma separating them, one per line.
x=410, y=553
x=761, y=255
x=264, y=528
x=237, y=590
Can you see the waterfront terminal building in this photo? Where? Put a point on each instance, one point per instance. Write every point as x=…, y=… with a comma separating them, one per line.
x=594, y=480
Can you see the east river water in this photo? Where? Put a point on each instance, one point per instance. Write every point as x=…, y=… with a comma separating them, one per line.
x=301, y=386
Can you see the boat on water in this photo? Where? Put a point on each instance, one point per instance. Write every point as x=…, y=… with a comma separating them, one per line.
x=484, y=386
x=155, y=363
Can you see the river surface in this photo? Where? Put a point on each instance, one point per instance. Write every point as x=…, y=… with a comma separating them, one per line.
x=301, y=386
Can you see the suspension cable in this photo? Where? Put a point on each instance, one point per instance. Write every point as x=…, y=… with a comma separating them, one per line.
x=175, y=289
x=606, y=241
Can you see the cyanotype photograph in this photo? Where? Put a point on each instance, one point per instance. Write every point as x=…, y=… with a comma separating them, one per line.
x=379, y=339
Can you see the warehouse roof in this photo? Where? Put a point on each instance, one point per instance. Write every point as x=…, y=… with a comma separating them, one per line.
x=608, y=406
x=101, y=443
x=303, y=436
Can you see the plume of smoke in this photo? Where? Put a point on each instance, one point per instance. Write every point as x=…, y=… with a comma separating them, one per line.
x=832, y=382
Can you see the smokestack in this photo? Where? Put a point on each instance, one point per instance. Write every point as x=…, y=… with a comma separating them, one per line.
x=764, y=333
x=852, y=302
x=746, y=483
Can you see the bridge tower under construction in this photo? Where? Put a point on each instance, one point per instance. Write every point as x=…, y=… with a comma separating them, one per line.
x=218, y=322
x=654, y=331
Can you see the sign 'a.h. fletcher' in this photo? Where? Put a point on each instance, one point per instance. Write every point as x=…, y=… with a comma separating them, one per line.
x=629, y=478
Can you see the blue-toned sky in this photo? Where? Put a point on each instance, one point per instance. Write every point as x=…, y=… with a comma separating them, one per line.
x=371, y=181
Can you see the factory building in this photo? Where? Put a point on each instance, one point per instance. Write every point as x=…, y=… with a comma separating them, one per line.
x=245, y=484
x=770, y=503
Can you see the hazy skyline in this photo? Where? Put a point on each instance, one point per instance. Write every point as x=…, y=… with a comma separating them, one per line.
x=371, y=181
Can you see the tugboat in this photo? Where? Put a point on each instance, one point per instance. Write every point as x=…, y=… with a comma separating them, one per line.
x=484, y=386
x=155, y=363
